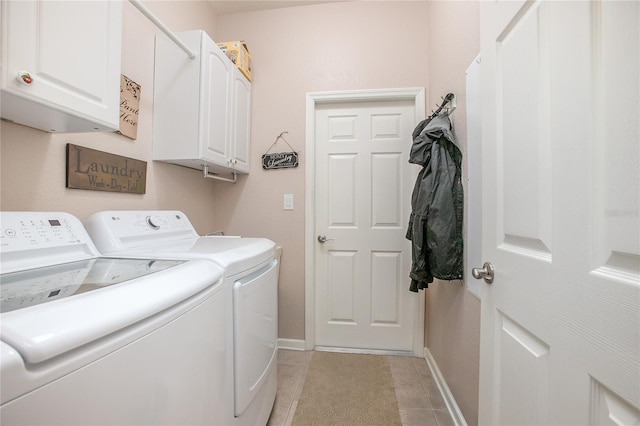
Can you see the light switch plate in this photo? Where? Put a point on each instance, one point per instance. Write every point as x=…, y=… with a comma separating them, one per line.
x=288, y=201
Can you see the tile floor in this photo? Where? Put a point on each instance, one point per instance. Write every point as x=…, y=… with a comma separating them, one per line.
x=419, y=400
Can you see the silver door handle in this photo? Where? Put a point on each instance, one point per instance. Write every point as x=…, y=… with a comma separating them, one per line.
x=485, y=272
x=323, y=239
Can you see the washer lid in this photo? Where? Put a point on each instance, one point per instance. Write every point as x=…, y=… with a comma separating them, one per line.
x=35, y=286
x=93, y=298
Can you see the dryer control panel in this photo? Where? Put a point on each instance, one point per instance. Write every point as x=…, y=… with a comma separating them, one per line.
x=118, y=230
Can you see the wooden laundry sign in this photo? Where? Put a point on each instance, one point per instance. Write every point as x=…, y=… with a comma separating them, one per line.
x=101, y=171
x=280, y=160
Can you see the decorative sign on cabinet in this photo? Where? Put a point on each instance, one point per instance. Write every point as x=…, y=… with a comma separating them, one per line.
x=129, y=107
x=202, y=107
x=61, y=64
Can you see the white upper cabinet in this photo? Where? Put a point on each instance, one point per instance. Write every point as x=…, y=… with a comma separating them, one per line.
x=202, y=106
x=61, y=64
x=241, y=120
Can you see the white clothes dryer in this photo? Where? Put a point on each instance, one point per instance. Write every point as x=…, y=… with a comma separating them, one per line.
x=103, y=341
x=250, y=271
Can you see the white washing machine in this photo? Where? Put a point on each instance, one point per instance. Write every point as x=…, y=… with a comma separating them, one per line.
x=250, y=271
x=106, y=341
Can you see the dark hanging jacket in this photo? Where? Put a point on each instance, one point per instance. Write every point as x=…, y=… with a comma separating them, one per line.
x=435, y=224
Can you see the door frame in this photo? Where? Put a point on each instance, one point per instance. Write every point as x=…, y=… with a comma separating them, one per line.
x=313, y=99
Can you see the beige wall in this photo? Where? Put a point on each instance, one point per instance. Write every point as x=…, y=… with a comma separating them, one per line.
x=453, y=321
x=347, y=46
x=342, y=46
x=32, y=175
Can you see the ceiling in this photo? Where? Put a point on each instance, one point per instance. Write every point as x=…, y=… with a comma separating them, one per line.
x=239, y=6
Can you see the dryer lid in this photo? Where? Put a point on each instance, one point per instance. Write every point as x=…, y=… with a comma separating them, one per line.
x=234, y=254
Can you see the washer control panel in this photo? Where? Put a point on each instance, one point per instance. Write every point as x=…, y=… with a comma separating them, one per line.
x=32, y=230
x=30, y=240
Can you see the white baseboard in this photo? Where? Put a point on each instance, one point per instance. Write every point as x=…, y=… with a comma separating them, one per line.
x=291, y=344
x=449, y=400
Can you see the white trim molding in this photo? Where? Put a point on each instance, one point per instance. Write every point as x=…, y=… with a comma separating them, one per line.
x=291, y=344
x=449, y=400
x=413, y=94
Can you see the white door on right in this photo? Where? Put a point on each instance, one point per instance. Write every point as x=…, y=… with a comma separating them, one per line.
x=560, y=333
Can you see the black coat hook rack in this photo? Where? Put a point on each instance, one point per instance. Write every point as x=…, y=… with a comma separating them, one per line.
x=448, y=99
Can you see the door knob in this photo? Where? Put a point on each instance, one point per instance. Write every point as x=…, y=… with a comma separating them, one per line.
x=485, y=272
x=323, y=239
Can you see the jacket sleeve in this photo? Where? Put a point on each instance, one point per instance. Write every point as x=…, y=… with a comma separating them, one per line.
x=420, y=271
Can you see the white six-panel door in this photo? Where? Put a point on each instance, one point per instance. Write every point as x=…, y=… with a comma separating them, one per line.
x=560, y=334
x=363, y=185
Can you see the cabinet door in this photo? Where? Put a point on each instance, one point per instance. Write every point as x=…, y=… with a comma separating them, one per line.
x=241, y=121
x=215, y=110
x=72, y=52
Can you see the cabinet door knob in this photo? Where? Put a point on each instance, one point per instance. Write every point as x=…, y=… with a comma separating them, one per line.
x=24, y=78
